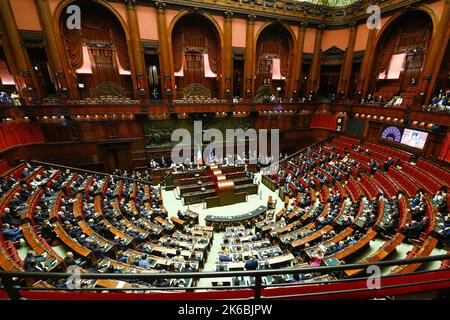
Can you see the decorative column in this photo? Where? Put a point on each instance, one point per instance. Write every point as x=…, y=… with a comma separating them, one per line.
x=366, y=66
x=167, y=75
x=9, y=56
x=228, y=47
x=141, y=87
x=297, y=76
x=55, y=61
x=315, y=67
x=249, y=57
x=433, y=59
x=344, y=81
x=27, y=82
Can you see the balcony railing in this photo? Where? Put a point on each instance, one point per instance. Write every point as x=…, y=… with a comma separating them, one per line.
x=425, y=281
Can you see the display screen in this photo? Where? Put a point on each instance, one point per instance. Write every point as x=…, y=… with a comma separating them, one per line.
x=413, y=138
x=392, y=133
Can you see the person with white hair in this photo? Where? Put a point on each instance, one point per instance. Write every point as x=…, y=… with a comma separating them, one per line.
x=8, y=217
x=12, y=234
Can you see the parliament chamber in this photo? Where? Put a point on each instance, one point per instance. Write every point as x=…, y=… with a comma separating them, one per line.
x=115, y=182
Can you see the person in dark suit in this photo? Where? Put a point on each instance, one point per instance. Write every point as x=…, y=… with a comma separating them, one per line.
x=224, y=258
x=69, y=260
x=415, y=228
x=47, y=232
x=8, y=218
x=251, y=264
x=180, y=215
x=387, y=164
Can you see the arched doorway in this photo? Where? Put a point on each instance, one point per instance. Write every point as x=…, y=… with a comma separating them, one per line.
x=399, y=57
x=196, y=57
x=97, y=52
x=273, y=58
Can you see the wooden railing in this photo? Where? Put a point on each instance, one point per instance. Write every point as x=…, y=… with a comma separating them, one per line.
x=105, y=112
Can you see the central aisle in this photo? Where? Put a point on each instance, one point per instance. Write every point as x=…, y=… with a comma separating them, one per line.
x=172, y=204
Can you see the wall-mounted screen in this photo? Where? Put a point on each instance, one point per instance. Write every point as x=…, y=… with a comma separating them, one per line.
x=415, y=139
x=392, y=133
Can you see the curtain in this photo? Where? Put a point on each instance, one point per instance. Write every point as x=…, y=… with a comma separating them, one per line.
x=103, y=35
x=411, y=34
x=213, y=54
x=177, y=46
x=272, y=48
x=385, y=57
x=196, y=56
x=121, y=47
x=74, y=47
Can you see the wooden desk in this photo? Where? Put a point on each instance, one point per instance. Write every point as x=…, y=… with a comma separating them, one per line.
x=121, y=267
x=178, y=222
x=157, y=262
x=424, y=251
x=380, y=254
x=6, y=263
x=152, y=248
x=164, y=223
x=341, y=236
x=335, y=258
x=116, y=284
x=269, y=183
x=312, y=237
x=260, y=211
x=70, y=242
x=52, y=260
x=281, y=259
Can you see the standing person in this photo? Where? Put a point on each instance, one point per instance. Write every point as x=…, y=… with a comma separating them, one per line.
x=16, y=99
x=317, y=258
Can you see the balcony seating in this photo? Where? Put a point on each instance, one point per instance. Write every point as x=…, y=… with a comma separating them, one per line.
x=371, y=190
x=389, y=189
x=403, y=182
x=353, y=190
x=438, y=173
x=422, y=179
x=401, y=155
x=4, y=167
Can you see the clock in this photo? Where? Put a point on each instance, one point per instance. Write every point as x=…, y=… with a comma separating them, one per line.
x=392, y=133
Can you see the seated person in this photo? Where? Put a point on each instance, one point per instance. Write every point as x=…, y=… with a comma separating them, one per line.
x=187, y=268
x=8, y=217
x=143, y=262
x=251, y=264
x=224, y=258
x=178, y=256
x=317, y=257
x=12, y=234
x=37, y=258
x=414, y=229
x=180, y=215
x=257, y=237
x=69, y=260
x=340, y=246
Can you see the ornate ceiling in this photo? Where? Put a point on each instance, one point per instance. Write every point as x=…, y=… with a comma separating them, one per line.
x=330, y=3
